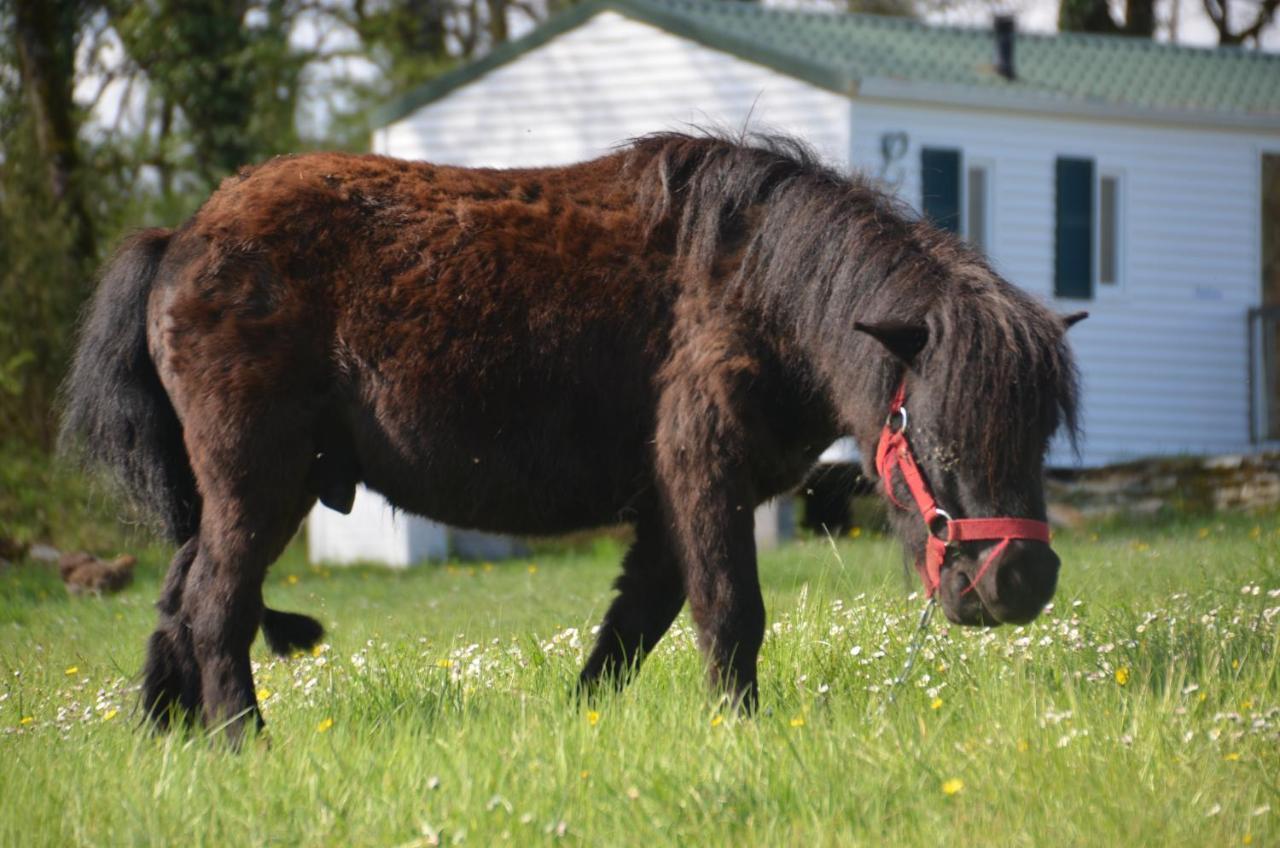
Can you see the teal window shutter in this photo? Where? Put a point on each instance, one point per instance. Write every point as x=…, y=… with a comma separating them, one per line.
x=1073, y=238
x=940, y=186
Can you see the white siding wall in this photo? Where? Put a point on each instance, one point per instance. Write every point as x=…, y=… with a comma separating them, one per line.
x=1163, y=355
x=609, y=80
x=373, y=532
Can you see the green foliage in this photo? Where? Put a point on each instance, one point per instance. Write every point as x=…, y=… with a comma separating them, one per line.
x=225, y=84
x=45, y=501
x=42, y=285
x=409, y=38
x=1143, y=709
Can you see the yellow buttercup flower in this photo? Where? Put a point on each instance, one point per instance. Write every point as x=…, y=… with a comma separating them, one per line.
x=1122, y=675
x=324, y=725
x=798, y=721
x=264, y=694
x=935, y=704
x=26, y=720
x=952, y=786
x=110, y=714
x=444, y=663
x=72, y=670
x=292, y=580
x=716, y=721
x=593, y=718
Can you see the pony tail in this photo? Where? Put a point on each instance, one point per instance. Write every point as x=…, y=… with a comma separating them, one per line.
x=116, y=413
x=286, y=632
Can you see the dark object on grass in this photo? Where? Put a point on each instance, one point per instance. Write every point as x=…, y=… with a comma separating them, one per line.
x=84, y=573
x=664, y=336
x=828, y=498
x=11, y=550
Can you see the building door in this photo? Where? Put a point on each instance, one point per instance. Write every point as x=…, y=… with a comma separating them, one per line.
x=1271, y=229
x=1266, y=324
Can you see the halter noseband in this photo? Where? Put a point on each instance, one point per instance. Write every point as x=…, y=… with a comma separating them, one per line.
x=894, y=451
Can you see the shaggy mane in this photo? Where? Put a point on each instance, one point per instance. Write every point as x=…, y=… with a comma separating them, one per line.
x=814, y=250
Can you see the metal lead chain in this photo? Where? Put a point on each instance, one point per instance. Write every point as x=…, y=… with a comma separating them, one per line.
x=913, y=650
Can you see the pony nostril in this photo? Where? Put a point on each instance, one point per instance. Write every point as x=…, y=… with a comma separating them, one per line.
x=1025, y=582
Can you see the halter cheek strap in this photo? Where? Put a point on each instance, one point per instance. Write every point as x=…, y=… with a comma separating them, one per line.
x=894, y=452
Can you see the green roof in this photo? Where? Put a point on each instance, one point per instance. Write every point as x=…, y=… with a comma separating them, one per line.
x=897, y=57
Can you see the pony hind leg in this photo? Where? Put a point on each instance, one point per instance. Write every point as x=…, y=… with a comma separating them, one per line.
x=650, y=595
x=254, y=486
x=171, y=677
x=171, y=689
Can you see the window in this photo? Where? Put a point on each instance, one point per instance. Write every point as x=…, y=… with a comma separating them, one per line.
x=940, y=187
x=1109, y=229
x=1073, y=235
x=1087, y=239
x=977, y=205
x=953, y=205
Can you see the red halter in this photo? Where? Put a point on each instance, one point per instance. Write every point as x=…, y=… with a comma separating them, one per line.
x=894, y=451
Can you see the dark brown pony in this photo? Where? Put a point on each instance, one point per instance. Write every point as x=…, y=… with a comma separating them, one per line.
x=664, y=336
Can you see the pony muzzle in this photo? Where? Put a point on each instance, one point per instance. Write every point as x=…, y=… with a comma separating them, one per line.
x=1008, y=581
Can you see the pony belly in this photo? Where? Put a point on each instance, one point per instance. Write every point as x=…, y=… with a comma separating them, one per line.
x=527, y=481
x=502, y=503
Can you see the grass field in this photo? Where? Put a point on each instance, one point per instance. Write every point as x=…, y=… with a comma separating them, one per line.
x=1143, y=709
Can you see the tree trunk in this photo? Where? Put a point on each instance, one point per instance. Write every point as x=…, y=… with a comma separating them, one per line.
x=497, y=23
x=45, y=35
x=1086, y=16
x=1140, y=18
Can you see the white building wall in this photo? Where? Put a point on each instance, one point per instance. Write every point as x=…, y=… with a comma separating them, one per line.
x=1163, y=355
x=609, y=80
x=373, y=532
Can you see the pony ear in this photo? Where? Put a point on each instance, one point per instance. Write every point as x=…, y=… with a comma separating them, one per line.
x=903, y=340
x=1074, y=318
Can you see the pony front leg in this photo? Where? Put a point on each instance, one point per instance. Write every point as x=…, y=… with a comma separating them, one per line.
x=650, y=594
x=709, y=508
x=717, y=536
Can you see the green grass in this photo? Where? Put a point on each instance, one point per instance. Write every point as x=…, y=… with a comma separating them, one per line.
x=1143, y=709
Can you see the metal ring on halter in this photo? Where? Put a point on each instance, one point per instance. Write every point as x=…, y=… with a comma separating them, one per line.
x=888, y=421
x=935, y=530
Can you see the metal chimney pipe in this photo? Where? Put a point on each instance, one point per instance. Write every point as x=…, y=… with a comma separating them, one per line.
x=1005, y=36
